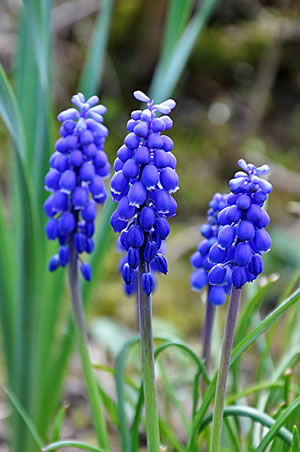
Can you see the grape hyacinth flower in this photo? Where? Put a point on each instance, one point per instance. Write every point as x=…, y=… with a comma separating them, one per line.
x=241, y=242
x=216, y=295
x=199, y=259
x=143, y=185
x=242, y=238
x=75, y=179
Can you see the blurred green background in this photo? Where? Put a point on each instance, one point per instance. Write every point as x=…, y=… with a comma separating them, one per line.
x=239, y=96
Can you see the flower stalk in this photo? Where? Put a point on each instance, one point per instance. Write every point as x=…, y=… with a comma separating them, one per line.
x=81, y=336
x=224, y=369
x=147, y=359
x=207, y=333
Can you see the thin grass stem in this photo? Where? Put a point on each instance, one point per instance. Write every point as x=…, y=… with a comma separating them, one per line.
x=81, y=336
x=223, y=369
x=147, y=357
x=207, y=333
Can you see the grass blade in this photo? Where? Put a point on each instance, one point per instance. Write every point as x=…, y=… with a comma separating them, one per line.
x=120, y=369
x=256, y=416
x=27, y=421
x=7, y=292
x=93, y=68
x=178, y=13
x=76, y=444
x=28, y=257
x=274, y=430
x=296, y=440
x=58, y=423
x=237, y=352
x=138, y=410
x=37, y=13
x=166, y=82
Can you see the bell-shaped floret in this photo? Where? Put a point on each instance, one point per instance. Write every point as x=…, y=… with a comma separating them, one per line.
x=147, y=218
x=135, y=236
x=150, y=251
x=216, y=276
x=162, y=227
x=226, y=236
x=169, y=180
x=161, y=263
x=80, y=197
x=86, y=271
x=150, y=176
x=243, y=254
x=137, y=194
x=147, y=283
x=245, y=230
x=216, y=295
x=199, y=279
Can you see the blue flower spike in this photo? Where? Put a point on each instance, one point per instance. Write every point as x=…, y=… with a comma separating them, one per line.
x=143, y=186
x=75, y=180
x=200, y=261
x=242, y=238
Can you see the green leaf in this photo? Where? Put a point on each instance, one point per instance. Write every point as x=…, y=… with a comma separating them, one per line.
x=252, y=306
x=11, y=116
x=110, y=406
x=296, y=440
x=93, y=68
x=28, y=259
x=7, y=291
x=76, y=444
x=171, y=393
x=255, y=415
x=39, y=23
x=165, y=82
x=178, y=13
x=274, y=430
x=167, y=431
x=168, y=344
x=120, y=372
x=26, y=419
x=237, y=352
x=252, y=389
x=58, y=423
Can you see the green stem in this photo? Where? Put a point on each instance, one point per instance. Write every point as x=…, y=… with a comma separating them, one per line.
x=81, y=336
x=255, y=415
x=207, y=333
x=145, y=316
x=223, y=369
x=77, y=444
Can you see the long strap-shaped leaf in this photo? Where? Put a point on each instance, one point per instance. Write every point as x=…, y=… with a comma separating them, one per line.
x=7, y=289
x=255, y=415
x=277, y=425
x=93, y=68
x=237, y=352
x=77, y=444
x=178, y=15
x=28, y=257
x=38, y=15
x=166, y=80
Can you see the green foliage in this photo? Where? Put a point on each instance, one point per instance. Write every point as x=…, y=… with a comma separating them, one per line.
x=296, y=440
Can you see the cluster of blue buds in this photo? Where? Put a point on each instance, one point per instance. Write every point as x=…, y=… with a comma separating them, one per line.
x=142, y=185
x=242, y=238
x=131, y=288
x=75, y=179
x=199, y=278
